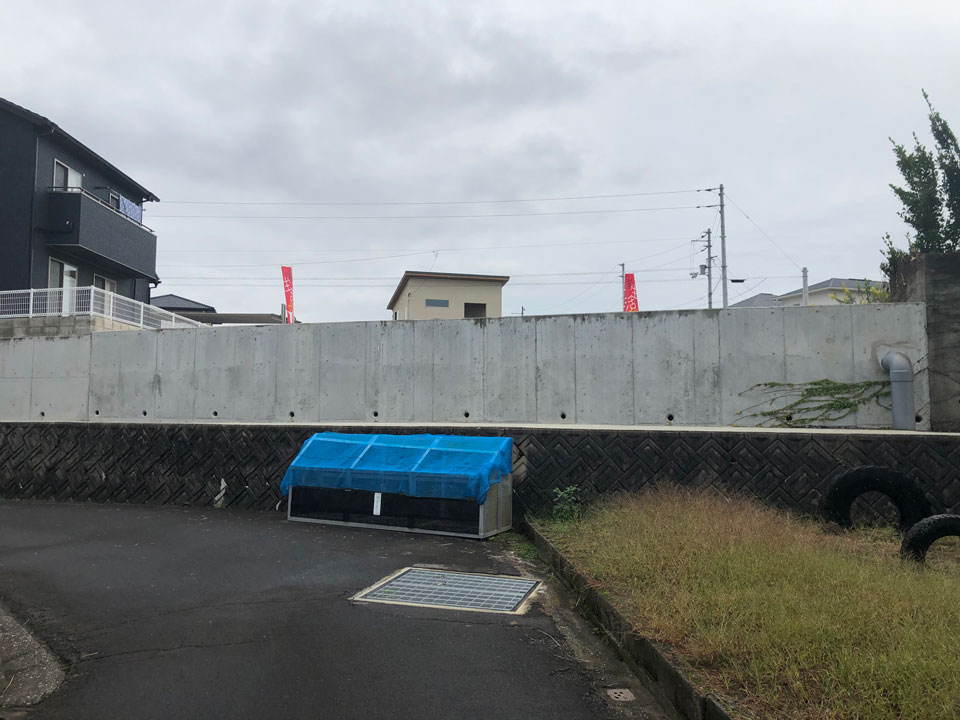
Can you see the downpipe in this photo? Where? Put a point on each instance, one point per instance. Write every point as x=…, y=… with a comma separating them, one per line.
x=898, y=365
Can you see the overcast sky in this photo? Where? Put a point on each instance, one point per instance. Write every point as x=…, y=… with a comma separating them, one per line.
x=790, y=105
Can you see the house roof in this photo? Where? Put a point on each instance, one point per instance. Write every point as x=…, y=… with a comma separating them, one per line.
x=470, y=277
x=835, y=284
x=215, y=318
x=177, y=303
x=760, y=300
x=52, y=128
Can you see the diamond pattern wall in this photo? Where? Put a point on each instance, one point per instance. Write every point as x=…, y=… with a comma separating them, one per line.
x=173, y=464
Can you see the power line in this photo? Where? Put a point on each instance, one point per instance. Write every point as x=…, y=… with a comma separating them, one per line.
x=751, y=289
x=657, y=269
x=307, y=283
x=312, y=262
x=763, y=232
x=310, y=282
x=510, y=246
x=429, y=202
x=434, y=217
x=663, y=252
x=357, y=277
x=427, y=251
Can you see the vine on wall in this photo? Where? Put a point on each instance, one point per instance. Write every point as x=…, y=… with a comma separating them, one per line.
x=813, y=403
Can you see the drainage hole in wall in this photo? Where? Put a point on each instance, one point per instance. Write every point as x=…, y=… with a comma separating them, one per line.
x=291, y=413
x=376, y=414
x=42, y=414
x=466, y=413
x=144, y=413
x=789, y=418
x=96, y=412
x=918, y=418
x=214, y=413
x=670, y=417
x=563, y=416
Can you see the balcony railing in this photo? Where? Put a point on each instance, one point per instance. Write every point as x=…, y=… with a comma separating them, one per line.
x=92, y=301
x=80, y=224
x=100, y=201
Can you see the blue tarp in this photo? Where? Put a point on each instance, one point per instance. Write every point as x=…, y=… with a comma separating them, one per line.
x=457, y=467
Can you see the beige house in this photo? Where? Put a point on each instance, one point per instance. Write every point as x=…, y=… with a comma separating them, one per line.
x=434, y=295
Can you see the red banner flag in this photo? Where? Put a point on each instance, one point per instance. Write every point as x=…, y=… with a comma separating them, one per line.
x=288, y=291
x=630, y=293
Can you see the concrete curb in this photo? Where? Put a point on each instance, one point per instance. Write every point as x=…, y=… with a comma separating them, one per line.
x=28, y=670
x=653, y=668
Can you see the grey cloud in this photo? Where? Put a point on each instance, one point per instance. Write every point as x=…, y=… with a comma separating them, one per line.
x=380, y=101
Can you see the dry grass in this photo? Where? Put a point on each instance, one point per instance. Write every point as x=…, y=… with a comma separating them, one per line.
x=786, y=617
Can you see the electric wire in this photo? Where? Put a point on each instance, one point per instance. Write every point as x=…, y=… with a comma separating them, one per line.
x=763, y=232
x=432, y=250
x=429, y=202
x=436, y=217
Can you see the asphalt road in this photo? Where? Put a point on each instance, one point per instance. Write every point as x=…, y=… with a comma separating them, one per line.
x=185, y=613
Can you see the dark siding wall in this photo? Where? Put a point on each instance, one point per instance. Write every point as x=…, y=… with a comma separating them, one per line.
x=93, y=177
x=96, y=182
x=17, y=156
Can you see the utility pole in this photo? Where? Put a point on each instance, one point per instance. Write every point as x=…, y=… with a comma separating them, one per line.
x=806, y=288
x=623, y=286
x=709, y=271
x=723, y=248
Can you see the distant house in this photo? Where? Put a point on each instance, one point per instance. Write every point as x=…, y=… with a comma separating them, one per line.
x=179, y=304
x=185, y=307
x=433, y=295
x=761, y=300
x=819, y=294
x=68, y=217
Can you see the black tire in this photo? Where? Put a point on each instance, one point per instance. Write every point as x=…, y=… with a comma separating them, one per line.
x=848, y=486
x=925, y=533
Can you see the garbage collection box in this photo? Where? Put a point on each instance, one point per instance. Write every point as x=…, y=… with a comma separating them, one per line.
x=439, y=484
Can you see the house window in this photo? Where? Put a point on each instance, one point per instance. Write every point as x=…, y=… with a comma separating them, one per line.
x=60, y=175
x=55, y=275
x=114, y=201
x=105, y=283
x=61, y=275
x=437, y=303
x=66, y=178
x=474, y=310
x=394, y=314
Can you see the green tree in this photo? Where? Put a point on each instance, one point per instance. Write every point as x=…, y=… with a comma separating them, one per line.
x=869, y=293
x=930, y=194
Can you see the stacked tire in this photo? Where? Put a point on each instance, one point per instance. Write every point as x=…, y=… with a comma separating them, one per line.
x=920, y=526
x=925, y=533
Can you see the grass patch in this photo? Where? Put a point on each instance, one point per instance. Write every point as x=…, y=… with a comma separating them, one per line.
x=787, y=618
x=516, y=543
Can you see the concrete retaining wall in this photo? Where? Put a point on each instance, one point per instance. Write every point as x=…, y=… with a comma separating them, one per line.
x=58, y=325
x=689, y=368
x=934, y=279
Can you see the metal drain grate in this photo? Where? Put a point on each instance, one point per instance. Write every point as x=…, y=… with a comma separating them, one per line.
x=453, y=590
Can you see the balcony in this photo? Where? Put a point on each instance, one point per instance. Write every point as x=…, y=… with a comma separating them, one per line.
x=84, y=226
x=88, y=301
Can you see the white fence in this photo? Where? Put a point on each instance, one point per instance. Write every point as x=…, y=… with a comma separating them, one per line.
x=53, y=302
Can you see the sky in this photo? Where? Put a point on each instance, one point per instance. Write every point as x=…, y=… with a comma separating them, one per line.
x=547, y=141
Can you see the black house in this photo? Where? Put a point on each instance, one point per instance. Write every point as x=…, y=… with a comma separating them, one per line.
x=68, y=218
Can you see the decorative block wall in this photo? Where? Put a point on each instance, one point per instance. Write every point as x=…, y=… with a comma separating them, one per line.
x=177, y=464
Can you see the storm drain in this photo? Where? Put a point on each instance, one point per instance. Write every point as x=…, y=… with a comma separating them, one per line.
x=453, y=590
